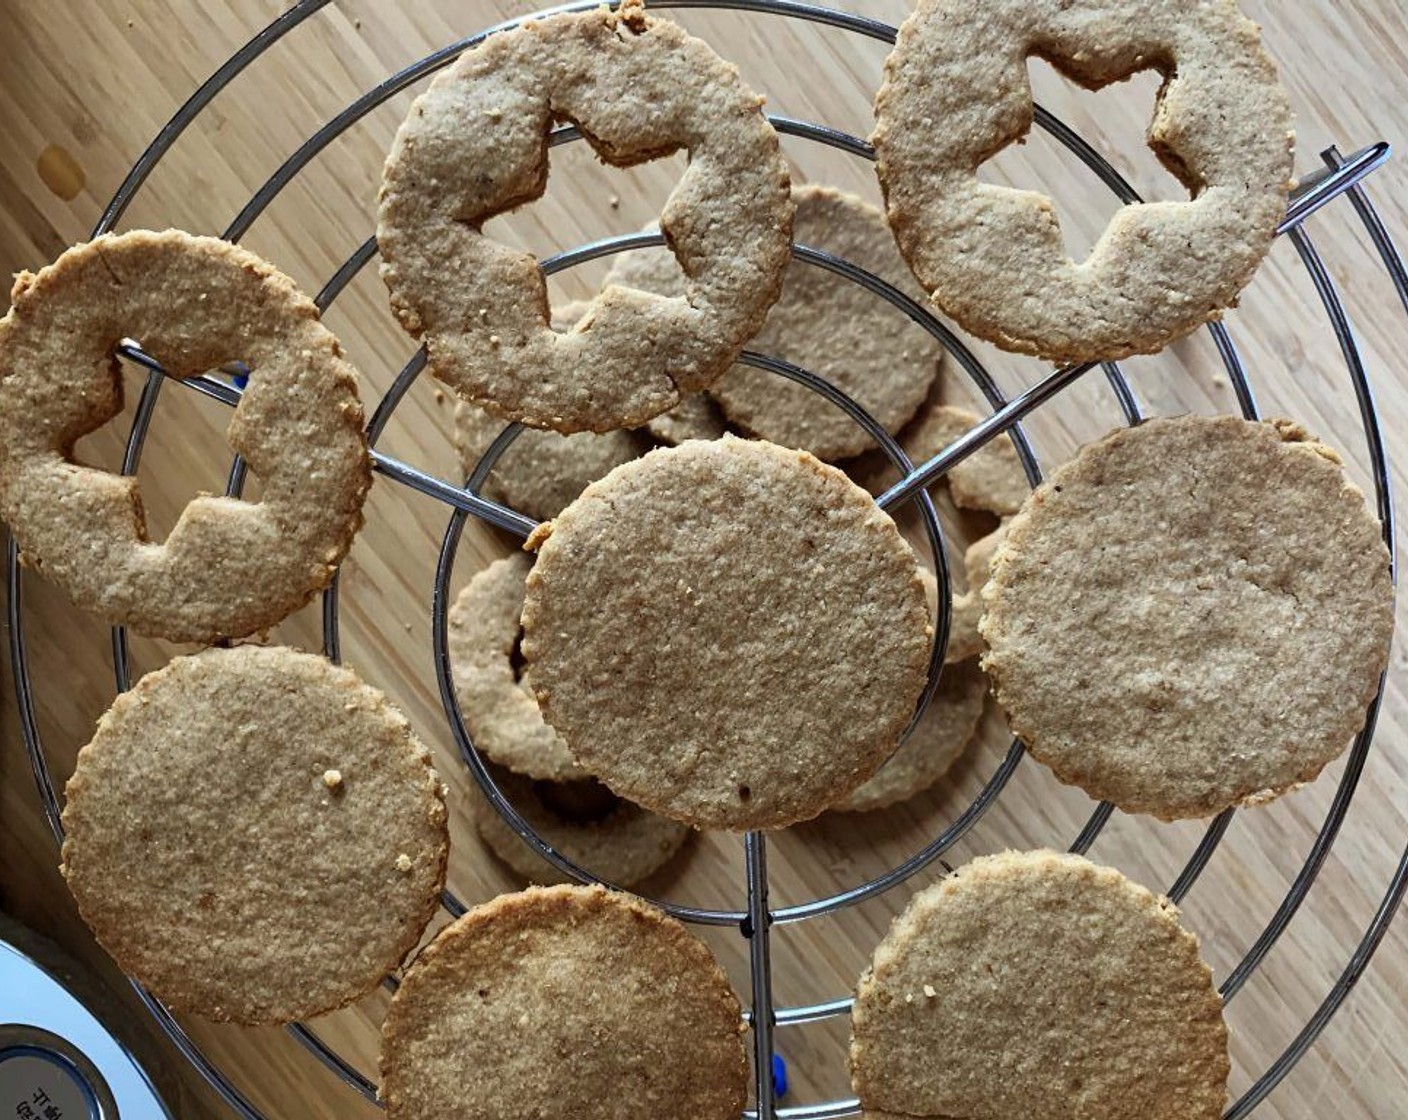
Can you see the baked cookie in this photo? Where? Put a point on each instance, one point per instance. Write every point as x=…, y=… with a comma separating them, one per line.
x=946, y=727
x=956, y=92
x=1053, y=988
x=826, y=324
x=229, y=567
x=588, y=1004
x=619, y=841
x=726, y=632
x=500, y=711
x=990, y=480
x=291, y=852
x=964, y=639
x=475, y=145
x=542, y=470
x=1191, y=614
x=697, y=416
x=615, y=840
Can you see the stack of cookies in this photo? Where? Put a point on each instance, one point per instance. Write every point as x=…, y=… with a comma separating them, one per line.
x=713, y=626
x=582, y=819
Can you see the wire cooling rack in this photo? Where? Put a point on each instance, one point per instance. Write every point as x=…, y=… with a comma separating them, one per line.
x=1340, y=177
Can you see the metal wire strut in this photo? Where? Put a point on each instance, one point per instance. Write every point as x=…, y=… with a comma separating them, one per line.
x=757, y=929
x=756, y=918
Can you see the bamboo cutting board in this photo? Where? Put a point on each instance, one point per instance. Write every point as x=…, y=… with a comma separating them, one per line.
x=85, y=87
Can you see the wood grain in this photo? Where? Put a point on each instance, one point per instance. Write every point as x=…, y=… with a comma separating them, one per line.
x=86, y=86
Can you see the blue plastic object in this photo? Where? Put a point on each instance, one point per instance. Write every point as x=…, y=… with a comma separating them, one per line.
x=779, y=1077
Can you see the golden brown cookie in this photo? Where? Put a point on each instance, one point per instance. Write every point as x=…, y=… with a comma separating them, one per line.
x=255, y=835
x=475, y=145
x=946, y=727
x=229, y=567
x=542, y=470
x=572, y=1002
x=697, y=416
x=964, y=639
x=619, y=841
x=990, y=480
x=608, y=836
x=726, y=632
x=1053, y=988
x=1190, y=614
x=500, y=711
x=826, y=324
x=956, y=92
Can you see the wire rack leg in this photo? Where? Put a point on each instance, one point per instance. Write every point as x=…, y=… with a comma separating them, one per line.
x=758, y=929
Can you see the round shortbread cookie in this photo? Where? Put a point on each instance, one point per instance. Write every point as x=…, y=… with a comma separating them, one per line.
x=727, y=632
x=695, y=417
x=945, y=728
x=619, y=841
x=956, y=92
x=255, y=835
x=1191, y=614
x=475, y=145
x=500, y=711
x=1052, y=987
x=990, y=480
x=964, y=639
x=586, y=1004
x=608, y=836
x=541, y=471
x=826, y=324
x=229, y=567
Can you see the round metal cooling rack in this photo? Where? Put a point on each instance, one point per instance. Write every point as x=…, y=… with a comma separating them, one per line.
x=1340, y=177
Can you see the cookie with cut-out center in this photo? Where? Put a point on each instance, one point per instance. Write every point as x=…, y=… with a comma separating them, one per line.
x=826, y=324
x=727, y=632
x=229, y=567
x=1191, y=614
x=255, y=835
x=575, y=1003
x=475, y=145
x=542, y=470
x=500, y=711
x=956, y=92
x=1053, y=988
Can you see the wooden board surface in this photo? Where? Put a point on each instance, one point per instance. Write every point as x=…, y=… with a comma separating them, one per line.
x=87, y=85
